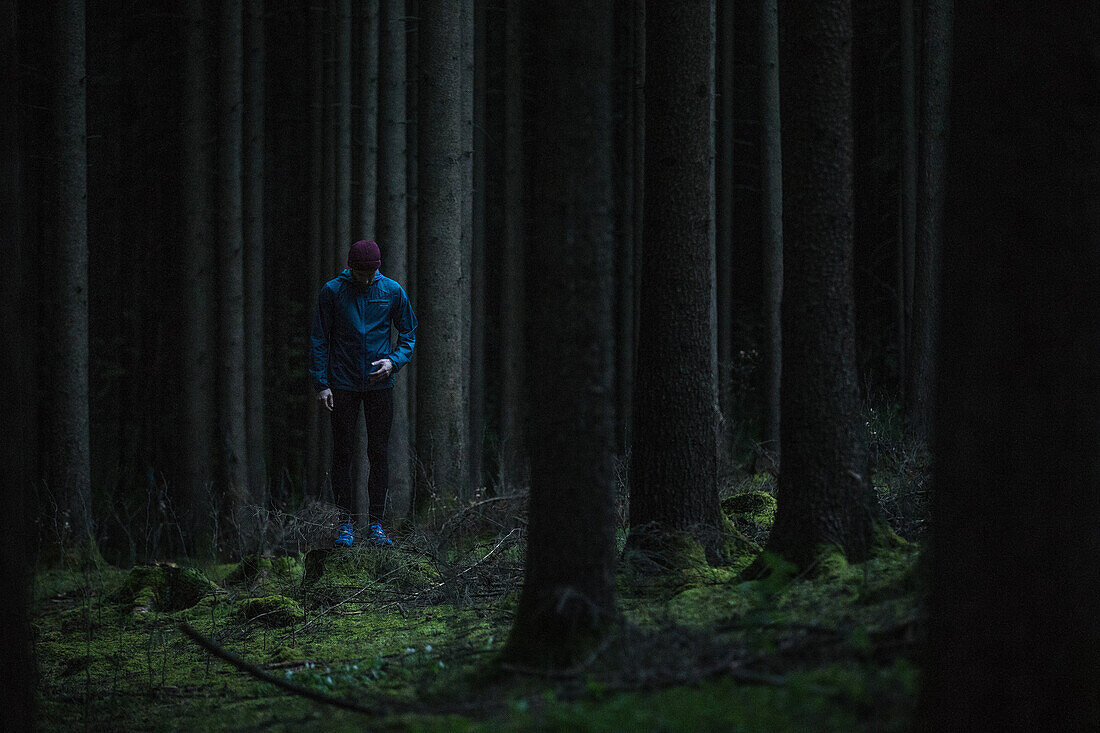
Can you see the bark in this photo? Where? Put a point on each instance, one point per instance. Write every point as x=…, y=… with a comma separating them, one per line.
x=70, y=471
x=825, y=494
x=723, y=204
x=368, y=92
x=253, y=259
x=907, y=187
x=18, y=674
x=624, y=221
x=443, y=428
x=567, y=601
x=673, y=471
x=1015, y=552
x=935, y=71
x=639, y=162
x=318, y=274
x=513, y=464
x=231, y=348
x=466, y=97
x=477, y=245
x=412, y=96
x=771, y=208
x=198, y=375
x=392, y=221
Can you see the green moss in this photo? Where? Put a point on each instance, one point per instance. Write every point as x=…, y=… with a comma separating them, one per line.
x=163, y=587
x=757, y=507
x=331, y=575
x=270, y=610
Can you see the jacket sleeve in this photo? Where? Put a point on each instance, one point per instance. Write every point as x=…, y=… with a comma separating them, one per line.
x=319, y=333
x=404, y=320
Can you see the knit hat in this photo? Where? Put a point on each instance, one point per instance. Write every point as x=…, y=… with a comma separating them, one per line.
x=364, y=255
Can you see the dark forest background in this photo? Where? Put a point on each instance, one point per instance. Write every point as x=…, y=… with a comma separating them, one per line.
x=680, y=243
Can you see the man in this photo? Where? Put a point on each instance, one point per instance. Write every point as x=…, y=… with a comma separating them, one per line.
x=353, y=362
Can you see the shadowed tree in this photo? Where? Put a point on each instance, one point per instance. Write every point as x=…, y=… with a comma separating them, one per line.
x=442, y=282
x=1015, y=547
x=771, y=218
x=923, y=333
x=392, y=215
x=567, y=601
x=673, y=459
x=723, y=208
x=253, y=258
x=513, y=468
x=198, y=325
x=17, y=673
x=315, y=455
x=230, y=260
x=825, y=493
x=70, y=460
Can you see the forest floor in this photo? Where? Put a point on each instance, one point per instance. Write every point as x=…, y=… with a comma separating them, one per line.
x=412, y=635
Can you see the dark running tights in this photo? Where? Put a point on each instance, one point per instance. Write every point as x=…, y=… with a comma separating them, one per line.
x=378, y=408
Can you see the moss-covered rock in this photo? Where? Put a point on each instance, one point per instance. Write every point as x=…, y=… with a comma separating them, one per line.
x=272, y=611
x=266, y=573
x=757, y=507
x=163, y=587
x=331, y=575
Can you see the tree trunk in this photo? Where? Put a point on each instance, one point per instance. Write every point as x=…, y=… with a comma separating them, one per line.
x=935, y=72
x=723, y=205
x=368, y=93
x=412, y=133
x=624, y=221
x=18, y=673
x=314, y=460
x=477, y=246
x=825, y=494
x=907, y=187
x=771, y=215
x=231, y=348
x=1015, y=552
x=567, y=601
x=392, y=222
x=443, y=419
x=466, y=95
x=673, y=471
x=71, y=465
x=513, y=465
x=198, y=375
x=639, y=166
x=253, y=260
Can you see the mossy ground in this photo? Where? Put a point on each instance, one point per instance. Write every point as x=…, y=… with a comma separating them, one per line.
x=423, y=625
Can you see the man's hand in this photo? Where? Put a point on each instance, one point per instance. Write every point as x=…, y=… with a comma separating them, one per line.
x=385, y=370
x=325, y=397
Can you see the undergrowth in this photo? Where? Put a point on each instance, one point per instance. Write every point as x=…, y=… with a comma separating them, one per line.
x=415, y=631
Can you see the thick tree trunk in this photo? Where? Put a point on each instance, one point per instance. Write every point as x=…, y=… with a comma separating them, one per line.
x=1015, y=552
x=935, y=71
x=477, y=249
x=314, y=460
x=639, y=166
x=443, y=284
x=466, y=61
x=70, y=470
x=412, y=133
x=253, y=260
x=771, y=216
x=392, y=222
x=907, y=187
x=723, y=210
x=17, y=674
x=198, y=375
x=567, y=600
x=231, y=348
x=825, y=494
x=673, y=471
x=513, y=465
x=624, y=222
x=368, y=92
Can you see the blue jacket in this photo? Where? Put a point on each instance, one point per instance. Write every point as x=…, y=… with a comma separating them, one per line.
x=351, y=329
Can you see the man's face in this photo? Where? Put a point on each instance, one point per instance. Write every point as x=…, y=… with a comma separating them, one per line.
x=363, y=277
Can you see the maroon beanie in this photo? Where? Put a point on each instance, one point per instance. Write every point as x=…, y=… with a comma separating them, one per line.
x=364, y=255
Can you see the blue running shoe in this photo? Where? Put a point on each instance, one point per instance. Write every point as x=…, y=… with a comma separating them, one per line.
x=378, y=538
x=346, y=538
